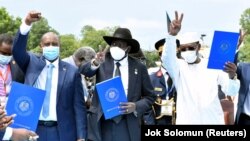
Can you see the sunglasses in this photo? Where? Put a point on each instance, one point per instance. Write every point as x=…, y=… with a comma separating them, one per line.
x=186, y=48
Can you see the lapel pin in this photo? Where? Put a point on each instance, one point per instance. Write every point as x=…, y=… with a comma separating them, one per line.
x=136, y=71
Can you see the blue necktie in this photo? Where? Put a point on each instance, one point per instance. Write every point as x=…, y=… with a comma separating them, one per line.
x=48, y=89
x=117, y=119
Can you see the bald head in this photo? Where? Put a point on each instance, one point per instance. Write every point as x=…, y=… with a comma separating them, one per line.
x=50, y=39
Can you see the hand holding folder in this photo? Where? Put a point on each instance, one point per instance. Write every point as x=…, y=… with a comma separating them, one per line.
x=223, y=49
x=26, y=102
x=111, y=93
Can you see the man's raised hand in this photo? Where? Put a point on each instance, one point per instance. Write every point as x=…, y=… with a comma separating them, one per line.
x=32, y=16
x=175, y=26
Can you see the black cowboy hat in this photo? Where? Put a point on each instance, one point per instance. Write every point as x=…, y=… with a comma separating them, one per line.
x=125, y=35
x=159, y=43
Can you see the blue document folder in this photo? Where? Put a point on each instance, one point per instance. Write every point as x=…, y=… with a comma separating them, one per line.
x=111, y=93
x=26, y=102
x=223, y=49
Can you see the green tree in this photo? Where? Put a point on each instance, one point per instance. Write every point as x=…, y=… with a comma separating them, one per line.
x=151, y=58
x=244, y=54
x=8, y=23
x=69, y=44
x=93, y=37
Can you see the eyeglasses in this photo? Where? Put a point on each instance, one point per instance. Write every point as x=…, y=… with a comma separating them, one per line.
x=186, y=48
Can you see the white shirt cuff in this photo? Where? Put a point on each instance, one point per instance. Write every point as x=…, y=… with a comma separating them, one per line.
x=93, y=67
x=234, y=87
x=24, y=28
x=8, y=133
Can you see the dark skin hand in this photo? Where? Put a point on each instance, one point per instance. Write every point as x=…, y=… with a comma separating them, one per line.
x=100, y=56
x=127, y=107
x=230, y=68
x=241, y=38
x=5, y=120
x=175, y=25
x=32, y=16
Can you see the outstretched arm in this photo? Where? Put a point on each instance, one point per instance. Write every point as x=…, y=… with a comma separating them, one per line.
x=169, y=58
x=19, y=52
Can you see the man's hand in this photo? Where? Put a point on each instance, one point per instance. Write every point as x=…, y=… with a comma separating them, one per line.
x=127, y=107
x=241, y=38
x=32, y=16
x=230, y=68
x=5, y=121
x=175, y=25
x=100, y=56
x=23, y=135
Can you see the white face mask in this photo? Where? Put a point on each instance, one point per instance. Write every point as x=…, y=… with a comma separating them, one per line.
x=189, y=56
x=117, y=53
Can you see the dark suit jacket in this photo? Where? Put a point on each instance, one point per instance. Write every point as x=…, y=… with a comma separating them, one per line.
x=140, y=91
x=2, y=134
x=158, y=82
x=71, y=110
x=243, y=72
x=16, y=73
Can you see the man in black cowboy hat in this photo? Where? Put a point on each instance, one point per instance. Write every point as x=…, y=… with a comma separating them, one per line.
x=136, y=82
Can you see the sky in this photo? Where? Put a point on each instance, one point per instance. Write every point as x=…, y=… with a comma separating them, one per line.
x=146, y=19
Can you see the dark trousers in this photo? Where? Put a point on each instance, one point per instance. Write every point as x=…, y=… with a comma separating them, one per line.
x=244, y=119
x=47, y=133
x=112, y=131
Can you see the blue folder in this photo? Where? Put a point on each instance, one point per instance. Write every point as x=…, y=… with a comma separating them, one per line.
x=111, y=93
x=26, y=102
x=223, y=49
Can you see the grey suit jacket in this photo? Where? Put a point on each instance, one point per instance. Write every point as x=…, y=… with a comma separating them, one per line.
x=243, y=72
x=140, y=91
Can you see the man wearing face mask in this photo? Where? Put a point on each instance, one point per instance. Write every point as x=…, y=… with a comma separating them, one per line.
x=63, y=115
x=136, y=83
x=9, y=71
x=196, y=85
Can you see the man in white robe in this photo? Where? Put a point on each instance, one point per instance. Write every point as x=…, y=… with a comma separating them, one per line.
x=196, y=85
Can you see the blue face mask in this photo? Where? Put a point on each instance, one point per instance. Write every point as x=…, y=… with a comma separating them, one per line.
x=51, y=52
x=4, y=60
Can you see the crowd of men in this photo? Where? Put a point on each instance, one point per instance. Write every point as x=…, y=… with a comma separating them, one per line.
x=181, y=91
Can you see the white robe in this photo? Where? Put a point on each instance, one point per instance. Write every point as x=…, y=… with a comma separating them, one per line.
x=197, y=88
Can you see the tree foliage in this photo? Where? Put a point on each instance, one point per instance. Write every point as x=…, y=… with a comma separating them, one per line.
x=244, y=54
x=36, y=33
x=151, y=58
x=69, y=44
x=94, y=38
x=8, y=23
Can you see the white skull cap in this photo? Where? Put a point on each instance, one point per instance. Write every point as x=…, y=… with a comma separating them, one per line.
x=189, y=37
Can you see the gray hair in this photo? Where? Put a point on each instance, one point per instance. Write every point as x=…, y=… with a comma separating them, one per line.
x=84, y=54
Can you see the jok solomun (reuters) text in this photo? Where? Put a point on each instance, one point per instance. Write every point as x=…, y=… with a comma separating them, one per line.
x=193, y=133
